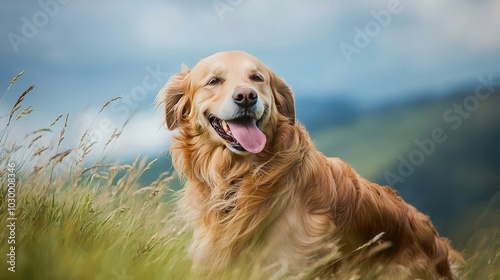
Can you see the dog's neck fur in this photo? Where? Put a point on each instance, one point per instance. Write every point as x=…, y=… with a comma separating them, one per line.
x=219, y=183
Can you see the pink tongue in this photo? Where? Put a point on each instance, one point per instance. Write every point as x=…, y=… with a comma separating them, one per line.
x=249, y=136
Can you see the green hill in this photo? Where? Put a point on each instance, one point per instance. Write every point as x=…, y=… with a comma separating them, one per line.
x=458, y=184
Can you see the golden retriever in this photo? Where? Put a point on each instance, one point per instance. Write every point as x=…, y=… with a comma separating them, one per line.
x=255, y=182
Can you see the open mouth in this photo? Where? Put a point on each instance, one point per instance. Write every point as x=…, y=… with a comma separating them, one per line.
x=242, y=134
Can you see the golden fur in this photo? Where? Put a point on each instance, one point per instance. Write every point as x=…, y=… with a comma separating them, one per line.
x=289, y=202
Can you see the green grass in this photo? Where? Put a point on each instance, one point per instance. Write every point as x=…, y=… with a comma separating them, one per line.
x=76, y=221
x=88, y=230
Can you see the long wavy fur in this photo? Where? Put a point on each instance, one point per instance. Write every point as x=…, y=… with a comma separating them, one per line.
x=290, y=198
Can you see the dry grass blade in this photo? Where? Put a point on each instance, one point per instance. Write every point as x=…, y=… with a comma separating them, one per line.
x=18, y=102
x=82, y=141
x=11, y=83
x=152, y=194
x=25, y=112
x=60, y=156
x=107, y=103
x=379, y=248
x=38, y=168
x=148, y=166
x=373, y=240
x=142, y=190
x=34, y=140
x=97, y=165
x=15, y=79
x=162, y=180
x=14, y=148
x=61, y=137
x=85, y=149
x=56, y=120
x=121, y=167
x=88, y=149
x=41, y=130
x=40, y=151
x=367, y=244
x=128, y=120
x=115, y=134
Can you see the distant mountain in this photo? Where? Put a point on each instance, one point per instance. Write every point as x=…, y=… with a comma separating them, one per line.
x=320, y=112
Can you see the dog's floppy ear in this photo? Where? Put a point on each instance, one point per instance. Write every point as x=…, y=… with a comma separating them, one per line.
x=283, y=95
x=173, y=96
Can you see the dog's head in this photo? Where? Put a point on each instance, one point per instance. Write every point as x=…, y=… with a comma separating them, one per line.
x=230, y=96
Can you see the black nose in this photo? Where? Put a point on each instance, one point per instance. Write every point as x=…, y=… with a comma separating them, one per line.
x=245, y=97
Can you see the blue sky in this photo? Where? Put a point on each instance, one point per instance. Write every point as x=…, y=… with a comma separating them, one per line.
x=79, y=54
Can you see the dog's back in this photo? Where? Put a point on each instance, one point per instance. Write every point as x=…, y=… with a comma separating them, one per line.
x=365, y=209
x=255, y=182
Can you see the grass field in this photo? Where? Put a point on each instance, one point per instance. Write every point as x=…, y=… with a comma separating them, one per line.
x=76, y=221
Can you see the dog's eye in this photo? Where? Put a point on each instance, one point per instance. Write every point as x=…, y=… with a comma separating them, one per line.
x=256, y=78
x=214, y=81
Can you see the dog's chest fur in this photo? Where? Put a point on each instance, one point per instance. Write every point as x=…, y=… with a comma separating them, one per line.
x=281, y=232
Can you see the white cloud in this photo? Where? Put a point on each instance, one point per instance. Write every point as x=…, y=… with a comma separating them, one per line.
x=169, y=26
x=89, y=44
x=475, y=25
x=161, y=24
x=143, y=134
x=450, y=27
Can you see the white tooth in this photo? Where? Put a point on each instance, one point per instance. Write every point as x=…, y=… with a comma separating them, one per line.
x=225, y=126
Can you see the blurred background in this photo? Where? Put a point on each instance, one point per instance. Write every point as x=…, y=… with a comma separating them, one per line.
x=407, y=92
